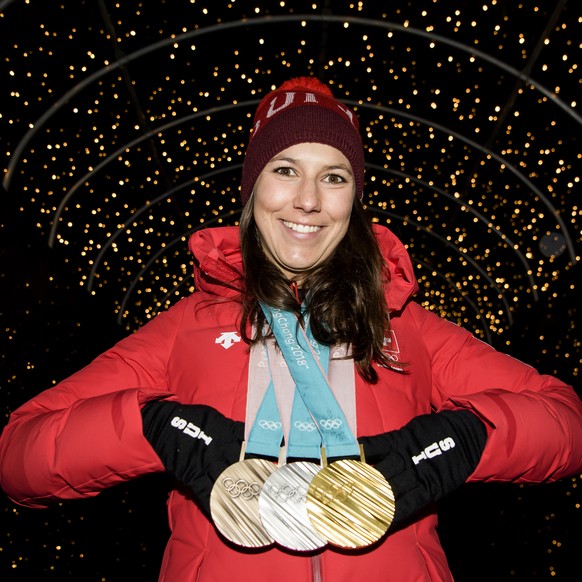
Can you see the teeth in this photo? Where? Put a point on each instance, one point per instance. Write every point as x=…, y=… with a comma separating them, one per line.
x=301, y=227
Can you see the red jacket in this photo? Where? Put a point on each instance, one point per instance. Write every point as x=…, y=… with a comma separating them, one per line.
x=85, y=434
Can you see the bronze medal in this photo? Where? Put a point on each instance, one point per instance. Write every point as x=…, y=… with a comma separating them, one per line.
x=234, y=502
x=350, y=504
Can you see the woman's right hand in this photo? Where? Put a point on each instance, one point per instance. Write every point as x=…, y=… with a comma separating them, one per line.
x=194, y=442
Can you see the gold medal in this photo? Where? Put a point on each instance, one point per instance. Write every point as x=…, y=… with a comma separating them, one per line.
x=234, y=502
x=350, y=504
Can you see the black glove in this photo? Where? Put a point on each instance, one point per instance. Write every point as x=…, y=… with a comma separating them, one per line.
x=427, y=458
x=194, y=442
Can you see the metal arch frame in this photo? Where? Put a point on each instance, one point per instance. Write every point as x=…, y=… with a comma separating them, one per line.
x=383, y=109
x=315, y=18
x=467, y=257
x=159, y=253
x=360, y=21
x=273, y=20
x=511, y=245
x=124, y=148
x=142, y=209
x=4, y=4
x=495, y=156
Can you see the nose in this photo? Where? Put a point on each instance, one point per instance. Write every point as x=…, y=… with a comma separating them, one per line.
x=308, y=197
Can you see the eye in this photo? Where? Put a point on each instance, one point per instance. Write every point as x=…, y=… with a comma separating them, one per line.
x=335, y=179
x=284, y=171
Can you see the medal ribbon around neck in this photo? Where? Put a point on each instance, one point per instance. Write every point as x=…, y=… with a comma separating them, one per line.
x=283, y=497
x=273, y=406
x=272, y=401
x=297, y=347
x=263, y=426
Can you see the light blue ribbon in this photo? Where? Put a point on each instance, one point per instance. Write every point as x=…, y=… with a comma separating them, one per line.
x=266, y=434
x=319, y=402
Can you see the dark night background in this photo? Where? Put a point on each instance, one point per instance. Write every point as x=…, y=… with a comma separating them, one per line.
x=122, y=130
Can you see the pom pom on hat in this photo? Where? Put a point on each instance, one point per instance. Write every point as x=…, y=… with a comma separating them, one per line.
x=306, y=84
x=301, y=110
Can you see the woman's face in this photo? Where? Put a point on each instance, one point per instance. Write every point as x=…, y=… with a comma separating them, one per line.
x=302, y=204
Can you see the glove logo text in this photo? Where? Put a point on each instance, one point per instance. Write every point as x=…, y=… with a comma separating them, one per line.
x=434, y=450
x=190, y=429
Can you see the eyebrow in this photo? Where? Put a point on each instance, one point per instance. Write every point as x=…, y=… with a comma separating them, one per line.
x=296, y=161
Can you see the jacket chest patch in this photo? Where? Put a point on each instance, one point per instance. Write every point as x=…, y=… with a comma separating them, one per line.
x=392, y=349
x=227, y=339
x=391, y=346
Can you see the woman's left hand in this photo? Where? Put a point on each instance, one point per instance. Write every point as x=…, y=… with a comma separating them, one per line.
x=427, y=458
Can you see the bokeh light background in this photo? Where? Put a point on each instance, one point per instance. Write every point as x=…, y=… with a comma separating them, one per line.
x=122, y=130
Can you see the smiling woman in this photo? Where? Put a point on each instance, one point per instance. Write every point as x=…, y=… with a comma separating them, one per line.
x=304, y=166
x=302, y=204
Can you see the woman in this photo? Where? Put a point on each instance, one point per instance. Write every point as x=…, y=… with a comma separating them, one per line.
x=444, y=406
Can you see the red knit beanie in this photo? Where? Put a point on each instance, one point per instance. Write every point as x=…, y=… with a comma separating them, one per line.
x=301, y=110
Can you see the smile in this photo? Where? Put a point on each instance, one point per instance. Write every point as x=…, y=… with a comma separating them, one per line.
x=301, y=227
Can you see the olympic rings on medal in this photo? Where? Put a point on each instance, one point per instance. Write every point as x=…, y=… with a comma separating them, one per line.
x=304, y=426
x=270, y=424
x=241, y=488
x=287, y=492
x=330, y=423
x=332, y=492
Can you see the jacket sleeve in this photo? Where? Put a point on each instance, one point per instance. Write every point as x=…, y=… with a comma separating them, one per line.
x=85, y=433
x=534, y=421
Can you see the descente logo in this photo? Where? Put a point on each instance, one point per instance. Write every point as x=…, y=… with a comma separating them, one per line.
x=227, y=339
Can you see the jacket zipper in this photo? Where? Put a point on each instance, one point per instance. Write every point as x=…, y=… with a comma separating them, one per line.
x=316, y=572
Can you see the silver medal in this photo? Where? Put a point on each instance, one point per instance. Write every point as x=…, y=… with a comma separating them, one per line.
x=283, y=510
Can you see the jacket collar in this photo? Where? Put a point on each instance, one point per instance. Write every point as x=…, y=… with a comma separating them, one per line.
x=217, y=260
x=218, y=264
x=402, y=283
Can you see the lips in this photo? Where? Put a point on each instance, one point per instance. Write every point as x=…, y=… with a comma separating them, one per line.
x=301, y=228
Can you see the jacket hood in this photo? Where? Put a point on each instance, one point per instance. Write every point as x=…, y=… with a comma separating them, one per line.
x=217, y=260
x=403, y=284
x=218, y=263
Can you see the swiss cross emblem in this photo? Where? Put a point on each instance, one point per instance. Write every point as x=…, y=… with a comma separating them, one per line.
x=392, y=350
x=227, y=339
x=391, y=343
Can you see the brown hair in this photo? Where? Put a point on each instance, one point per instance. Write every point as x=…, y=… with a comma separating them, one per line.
x=345, y=303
